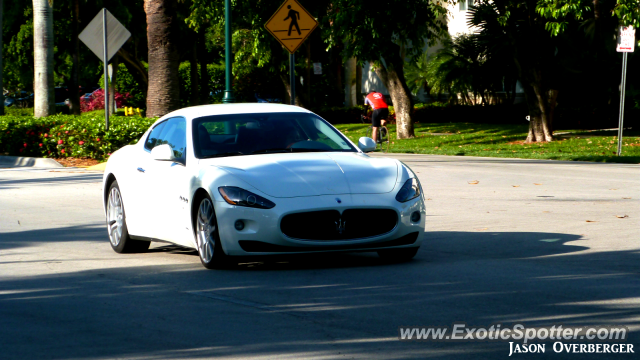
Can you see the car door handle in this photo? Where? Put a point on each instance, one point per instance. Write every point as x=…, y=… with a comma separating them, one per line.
x=141, y=169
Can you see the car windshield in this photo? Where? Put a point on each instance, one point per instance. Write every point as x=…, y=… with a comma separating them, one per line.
x=247, y=134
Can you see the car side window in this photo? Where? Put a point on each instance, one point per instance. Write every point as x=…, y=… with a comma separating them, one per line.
x=175, y=135
x=154, y=135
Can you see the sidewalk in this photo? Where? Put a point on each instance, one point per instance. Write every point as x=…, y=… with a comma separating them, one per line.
x=19, y=161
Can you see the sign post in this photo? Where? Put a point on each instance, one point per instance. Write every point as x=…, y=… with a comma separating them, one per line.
x=291, y=25
x=626, y=44
x=104, y=36
x=106, y=78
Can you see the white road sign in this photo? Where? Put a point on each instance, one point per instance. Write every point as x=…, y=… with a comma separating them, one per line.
x=92, y=36
x=626, y=39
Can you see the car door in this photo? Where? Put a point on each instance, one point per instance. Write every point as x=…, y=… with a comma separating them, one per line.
x=171, y=188
x=137, y=193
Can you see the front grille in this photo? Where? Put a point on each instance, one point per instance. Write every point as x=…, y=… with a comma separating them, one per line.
x=330, y=225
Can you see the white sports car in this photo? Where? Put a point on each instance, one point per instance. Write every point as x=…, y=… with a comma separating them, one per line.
x=259, y=179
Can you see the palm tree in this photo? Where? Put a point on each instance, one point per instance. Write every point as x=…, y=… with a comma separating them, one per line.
x=464, y=68
x=163, y=94
x=44, y=102
x=1, y=83
x=74, y=49
x=416, y=74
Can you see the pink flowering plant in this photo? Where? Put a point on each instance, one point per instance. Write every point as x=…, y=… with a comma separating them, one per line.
x=96, y=102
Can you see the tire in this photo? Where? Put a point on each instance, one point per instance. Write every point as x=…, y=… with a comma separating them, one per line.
x=384, y=134
x=368, y=132
x=398, y=255
x=119, y=237
x=210, y=250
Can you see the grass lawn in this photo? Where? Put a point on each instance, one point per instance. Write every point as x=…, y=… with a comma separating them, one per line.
x=465, y=139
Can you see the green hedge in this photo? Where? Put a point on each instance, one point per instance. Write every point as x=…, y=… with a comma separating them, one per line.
x=67, y=135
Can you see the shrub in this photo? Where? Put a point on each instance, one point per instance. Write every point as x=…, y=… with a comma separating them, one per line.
x=127, y=83
x=14, y=111
x=67, y=135
x=340, y=115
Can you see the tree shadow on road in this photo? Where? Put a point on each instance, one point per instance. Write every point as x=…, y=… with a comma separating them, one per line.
x=49, y=181
x=325, y=306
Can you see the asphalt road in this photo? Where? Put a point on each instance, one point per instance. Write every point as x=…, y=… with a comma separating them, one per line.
x=533, y=242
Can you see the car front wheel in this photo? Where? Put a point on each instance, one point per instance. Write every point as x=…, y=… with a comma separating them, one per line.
x=207, y=237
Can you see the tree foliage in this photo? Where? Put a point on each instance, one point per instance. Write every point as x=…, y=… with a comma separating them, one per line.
x=466, y=67
x=370, y=33
x=385, y=36
x=561, y=12
x=417, y=74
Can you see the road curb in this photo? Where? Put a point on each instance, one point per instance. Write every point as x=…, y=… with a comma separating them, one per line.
x=99, y=167
x=19, y=161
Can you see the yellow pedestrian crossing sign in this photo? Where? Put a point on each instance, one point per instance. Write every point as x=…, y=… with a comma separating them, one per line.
x=291, y=25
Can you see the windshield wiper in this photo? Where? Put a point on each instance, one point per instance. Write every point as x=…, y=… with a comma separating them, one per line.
x=274, y=150
x=228, y=153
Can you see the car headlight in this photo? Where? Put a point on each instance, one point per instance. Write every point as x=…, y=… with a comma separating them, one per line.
x=410, y=190
x=241, y=197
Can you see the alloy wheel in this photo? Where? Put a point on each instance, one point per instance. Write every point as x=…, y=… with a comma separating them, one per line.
x=115, y=217
x=206, y=231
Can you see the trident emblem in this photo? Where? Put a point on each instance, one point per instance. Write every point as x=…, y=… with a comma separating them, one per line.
x=340, y=226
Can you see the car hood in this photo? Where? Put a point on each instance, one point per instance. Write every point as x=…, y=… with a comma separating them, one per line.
x=312, y=174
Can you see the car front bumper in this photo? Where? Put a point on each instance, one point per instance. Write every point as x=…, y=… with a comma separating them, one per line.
x=261, y=234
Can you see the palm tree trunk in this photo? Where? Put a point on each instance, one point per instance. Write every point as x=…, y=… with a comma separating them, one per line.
x=44, y=101
x=163, y=95
x=1, y=82
x=74, y=96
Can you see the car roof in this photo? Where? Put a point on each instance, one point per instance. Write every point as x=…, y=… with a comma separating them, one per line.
x=237, y=108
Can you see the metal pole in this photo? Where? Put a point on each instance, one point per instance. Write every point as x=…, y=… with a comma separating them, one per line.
x=106, y=72
x=292, y=77
x=228, y=92
x=622, y=88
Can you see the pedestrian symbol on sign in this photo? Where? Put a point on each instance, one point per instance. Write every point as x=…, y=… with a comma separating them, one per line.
x=294, y=16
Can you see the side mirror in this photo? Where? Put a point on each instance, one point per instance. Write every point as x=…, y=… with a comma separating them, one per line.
x=366, y=144
x=163, y=152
